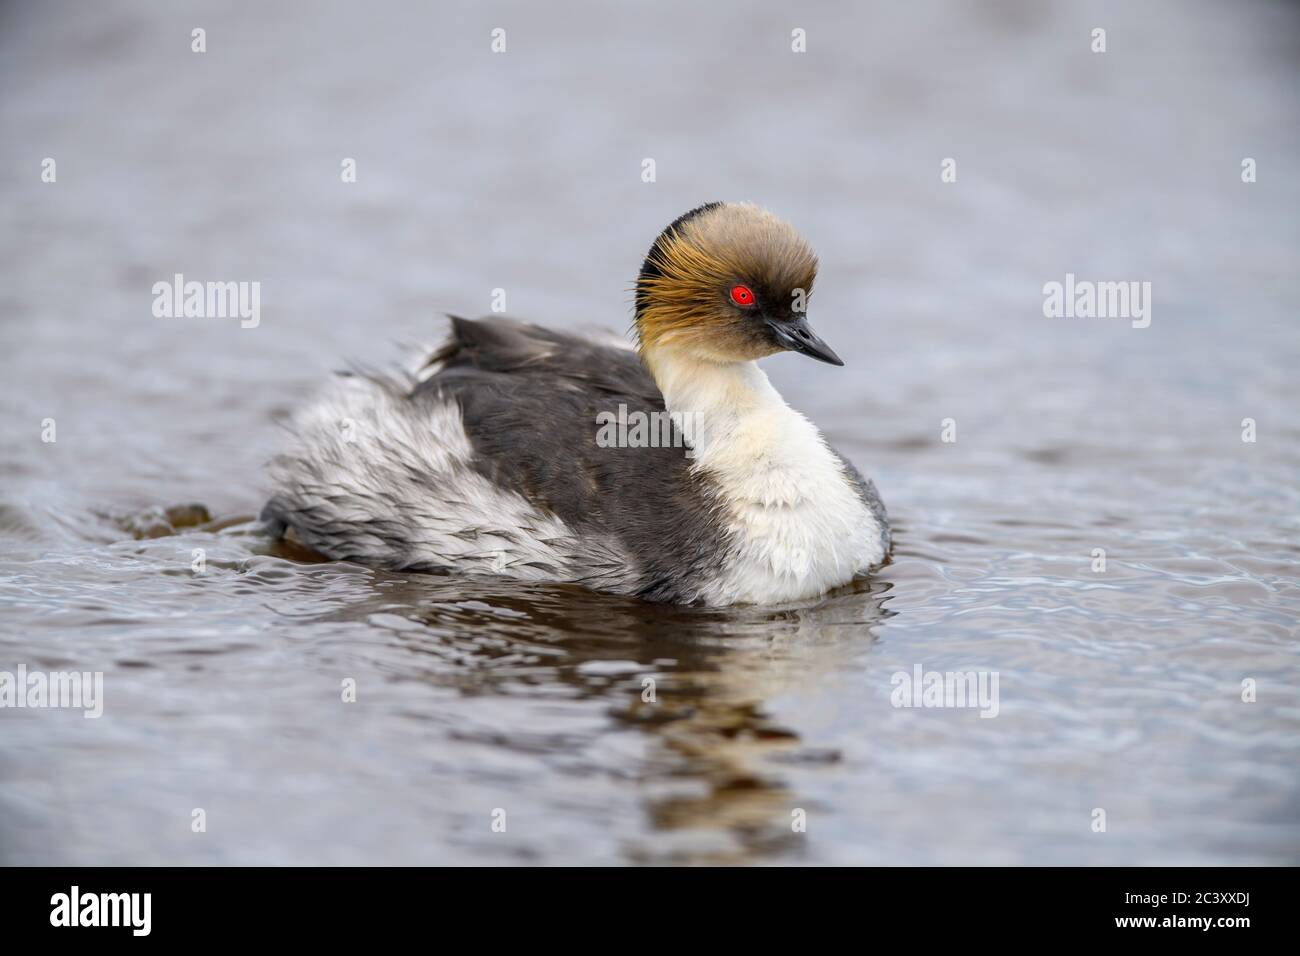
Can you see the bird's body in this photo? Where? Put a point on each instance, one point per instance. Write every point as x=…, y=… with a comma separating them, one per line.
x=497, y=458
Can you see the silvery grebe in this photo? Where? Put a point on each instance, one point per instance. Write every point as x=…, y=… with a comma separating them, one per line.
x=490, y=459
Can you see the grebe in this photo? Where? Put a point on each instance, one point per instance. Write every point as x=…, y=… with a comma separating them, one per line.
x=488, y=460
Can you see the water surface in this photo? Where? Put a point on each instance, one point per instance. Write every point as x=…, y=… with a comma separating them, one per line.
x=1119, y=690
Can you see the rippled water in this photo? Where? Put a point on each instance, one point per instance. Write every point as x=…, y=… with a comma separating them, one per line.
x=1119, y=690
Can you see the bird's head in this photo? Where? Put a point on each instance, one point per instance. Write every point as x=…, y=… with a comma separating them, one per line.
x=728, y=282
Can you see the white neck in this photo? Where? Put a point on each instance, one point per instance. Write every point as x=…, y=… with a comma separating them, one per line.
x=800, y=523
x=721, y=404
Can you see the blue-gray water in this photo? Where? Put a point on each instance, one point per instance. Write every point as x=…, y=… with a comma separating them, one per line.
x=1119, y=690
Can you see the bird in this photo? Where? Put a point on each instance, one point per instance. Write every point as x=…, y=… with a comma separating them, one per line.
x=522, y=451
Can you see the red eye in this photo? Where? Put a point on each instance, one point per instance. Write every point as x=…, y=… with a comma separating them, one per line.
x=741, y=295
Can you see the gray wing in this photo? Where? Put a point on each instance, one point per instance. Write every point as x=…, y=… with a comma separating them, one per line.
x=530, y=397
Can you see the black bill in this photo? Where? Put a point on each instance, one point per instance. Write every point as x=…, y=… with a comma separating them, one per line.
x=797, y=336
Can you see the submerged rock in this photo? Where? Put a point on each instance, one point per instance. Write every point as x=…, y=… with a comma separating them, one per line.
x=159, y=522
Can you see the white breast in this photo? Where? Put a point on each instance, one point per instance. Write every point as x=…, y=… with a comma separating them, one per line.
x=799, y=525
